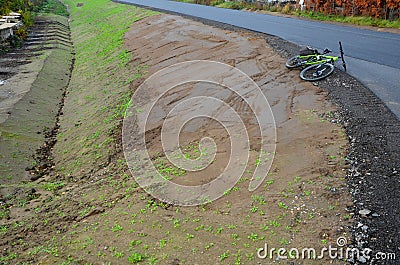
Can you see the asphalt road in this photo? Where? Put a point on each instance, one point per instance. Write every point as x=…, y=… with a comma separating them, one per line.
x=372, y=57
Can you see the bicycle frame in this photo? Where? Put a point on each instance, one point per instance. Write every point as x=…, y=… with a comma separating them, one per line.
x=317, y=59
x=319, y=65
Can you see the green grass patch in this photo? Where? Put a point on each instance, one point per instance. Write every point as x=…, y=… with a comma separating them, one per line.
x=52, y=186
x=55, y=7
x=99, y=88
x=232, y=5
x=356, y=20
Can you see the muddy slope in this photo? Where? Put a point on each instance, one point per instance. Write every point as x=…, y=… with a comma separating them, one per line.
x=374, y=156
x=306, y=179
x=99, y=215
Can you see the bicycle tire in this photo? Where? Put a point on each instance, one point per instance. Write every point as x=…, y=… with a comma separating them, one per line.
x=294, y=62
x=317, y=72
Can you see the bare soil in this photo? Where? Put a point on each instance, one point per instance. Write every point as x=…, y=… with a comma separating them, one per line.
x=309, y=146
x=101, y=217
x=304, y=202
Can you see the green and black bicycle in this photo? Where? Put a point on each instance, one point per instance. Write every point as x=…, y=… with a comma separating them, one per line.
x=317, y=65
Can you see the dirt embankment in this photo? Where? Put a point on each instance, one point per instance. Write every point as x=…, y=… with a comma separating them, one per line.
x=304, y=192
x=309, y=147
x=374, y=154
x=98, y=214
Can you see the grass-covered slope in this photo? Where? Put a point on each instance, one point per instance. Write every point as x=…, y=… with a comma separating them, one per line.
x=99, y=87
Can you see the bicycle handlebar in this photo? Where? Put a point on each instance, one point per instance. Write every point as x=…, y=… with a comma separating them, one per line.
x=342, y=56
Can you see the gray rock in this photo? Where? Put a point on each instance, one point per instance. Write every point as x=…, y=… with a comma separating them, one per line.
x=362, y=259
x=364, y=212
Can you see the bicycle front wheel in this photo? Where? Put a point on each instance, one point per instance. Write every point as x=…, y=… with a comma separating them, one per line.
x=294, y=62
x=317, y=72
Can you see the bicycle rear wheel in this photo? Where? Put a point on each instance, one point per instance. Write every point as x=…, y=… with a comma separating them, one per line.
x=295, y=62
x=317, y=72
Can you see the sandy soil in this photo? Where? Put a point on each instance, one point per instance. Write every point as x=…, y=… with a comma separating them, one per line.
x=302, y=203
x=306, y=175
x=290, y=99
